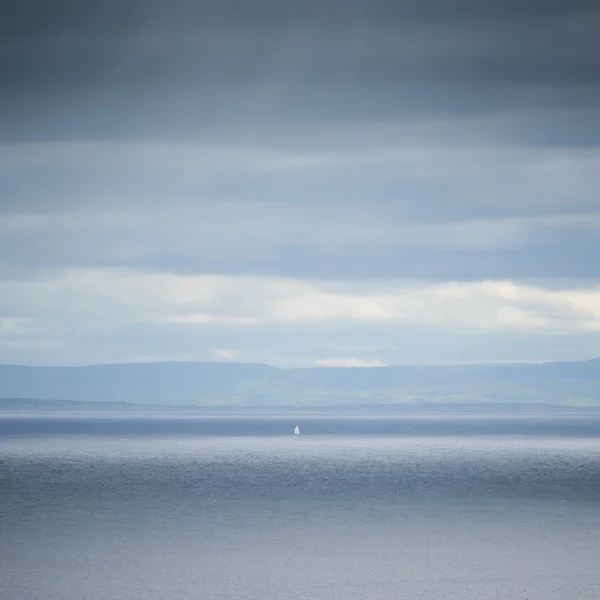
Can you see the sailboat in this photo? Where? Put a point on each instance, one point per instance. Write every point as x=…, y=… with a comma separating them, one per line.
x=297, y=430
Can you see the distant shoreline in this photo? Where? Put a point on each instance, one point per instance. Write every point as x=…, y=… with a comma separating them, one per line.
x=242, y=386
x=33, y=406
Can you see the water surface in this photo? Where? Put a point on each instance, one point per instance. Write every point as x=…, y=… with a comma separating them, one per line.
x=165, y=507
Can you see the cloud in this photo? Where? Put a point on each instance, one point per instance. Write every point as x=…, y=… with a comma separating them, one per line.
x=112, y=298
x=113, y=315
x=13, y=325
x=225, y=354
x=391, y=209
x=197, y=68
x=362, y=348
x=347, y=362
x=412, y=169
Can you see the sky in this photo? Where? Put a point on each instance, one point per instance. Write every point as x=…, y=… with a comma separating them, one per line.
x=314, y=183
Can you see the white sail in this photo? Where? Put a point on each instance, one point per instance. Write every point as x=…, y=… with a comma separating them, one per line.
x=297, y=430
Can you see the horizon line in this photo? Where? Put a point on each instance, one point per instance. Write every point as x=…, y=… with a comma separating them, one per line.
x=254, y=363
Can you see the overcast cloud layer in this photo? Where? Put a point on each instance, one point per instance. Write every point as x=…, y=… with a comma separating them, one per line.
x=299, y=182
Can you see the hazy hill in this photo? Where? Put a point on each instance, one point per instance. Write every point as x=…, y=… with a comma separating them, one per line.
x=567, y=383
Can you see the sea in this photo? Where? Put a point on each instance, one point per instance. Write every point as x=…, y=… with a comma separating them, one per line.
x=235, y=507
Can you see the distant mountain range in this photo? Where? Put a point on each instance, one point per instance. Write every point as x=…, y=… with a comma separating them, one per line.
x=574, y=384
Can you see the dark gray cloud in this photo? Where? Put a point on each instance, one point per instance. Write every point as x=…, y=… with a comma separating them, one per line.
x=143, y=68
x=64, y=16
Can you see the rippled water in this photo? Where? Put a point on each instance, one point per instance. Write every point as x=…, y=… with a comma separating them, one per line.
x=227, y=508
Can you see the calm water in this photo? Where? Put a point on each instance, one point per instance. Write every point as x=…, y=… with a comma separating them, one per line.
x=238, y=508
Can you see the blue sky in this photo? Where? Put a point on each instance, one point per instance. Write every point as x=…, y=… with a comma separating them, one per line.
x=300, y=183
